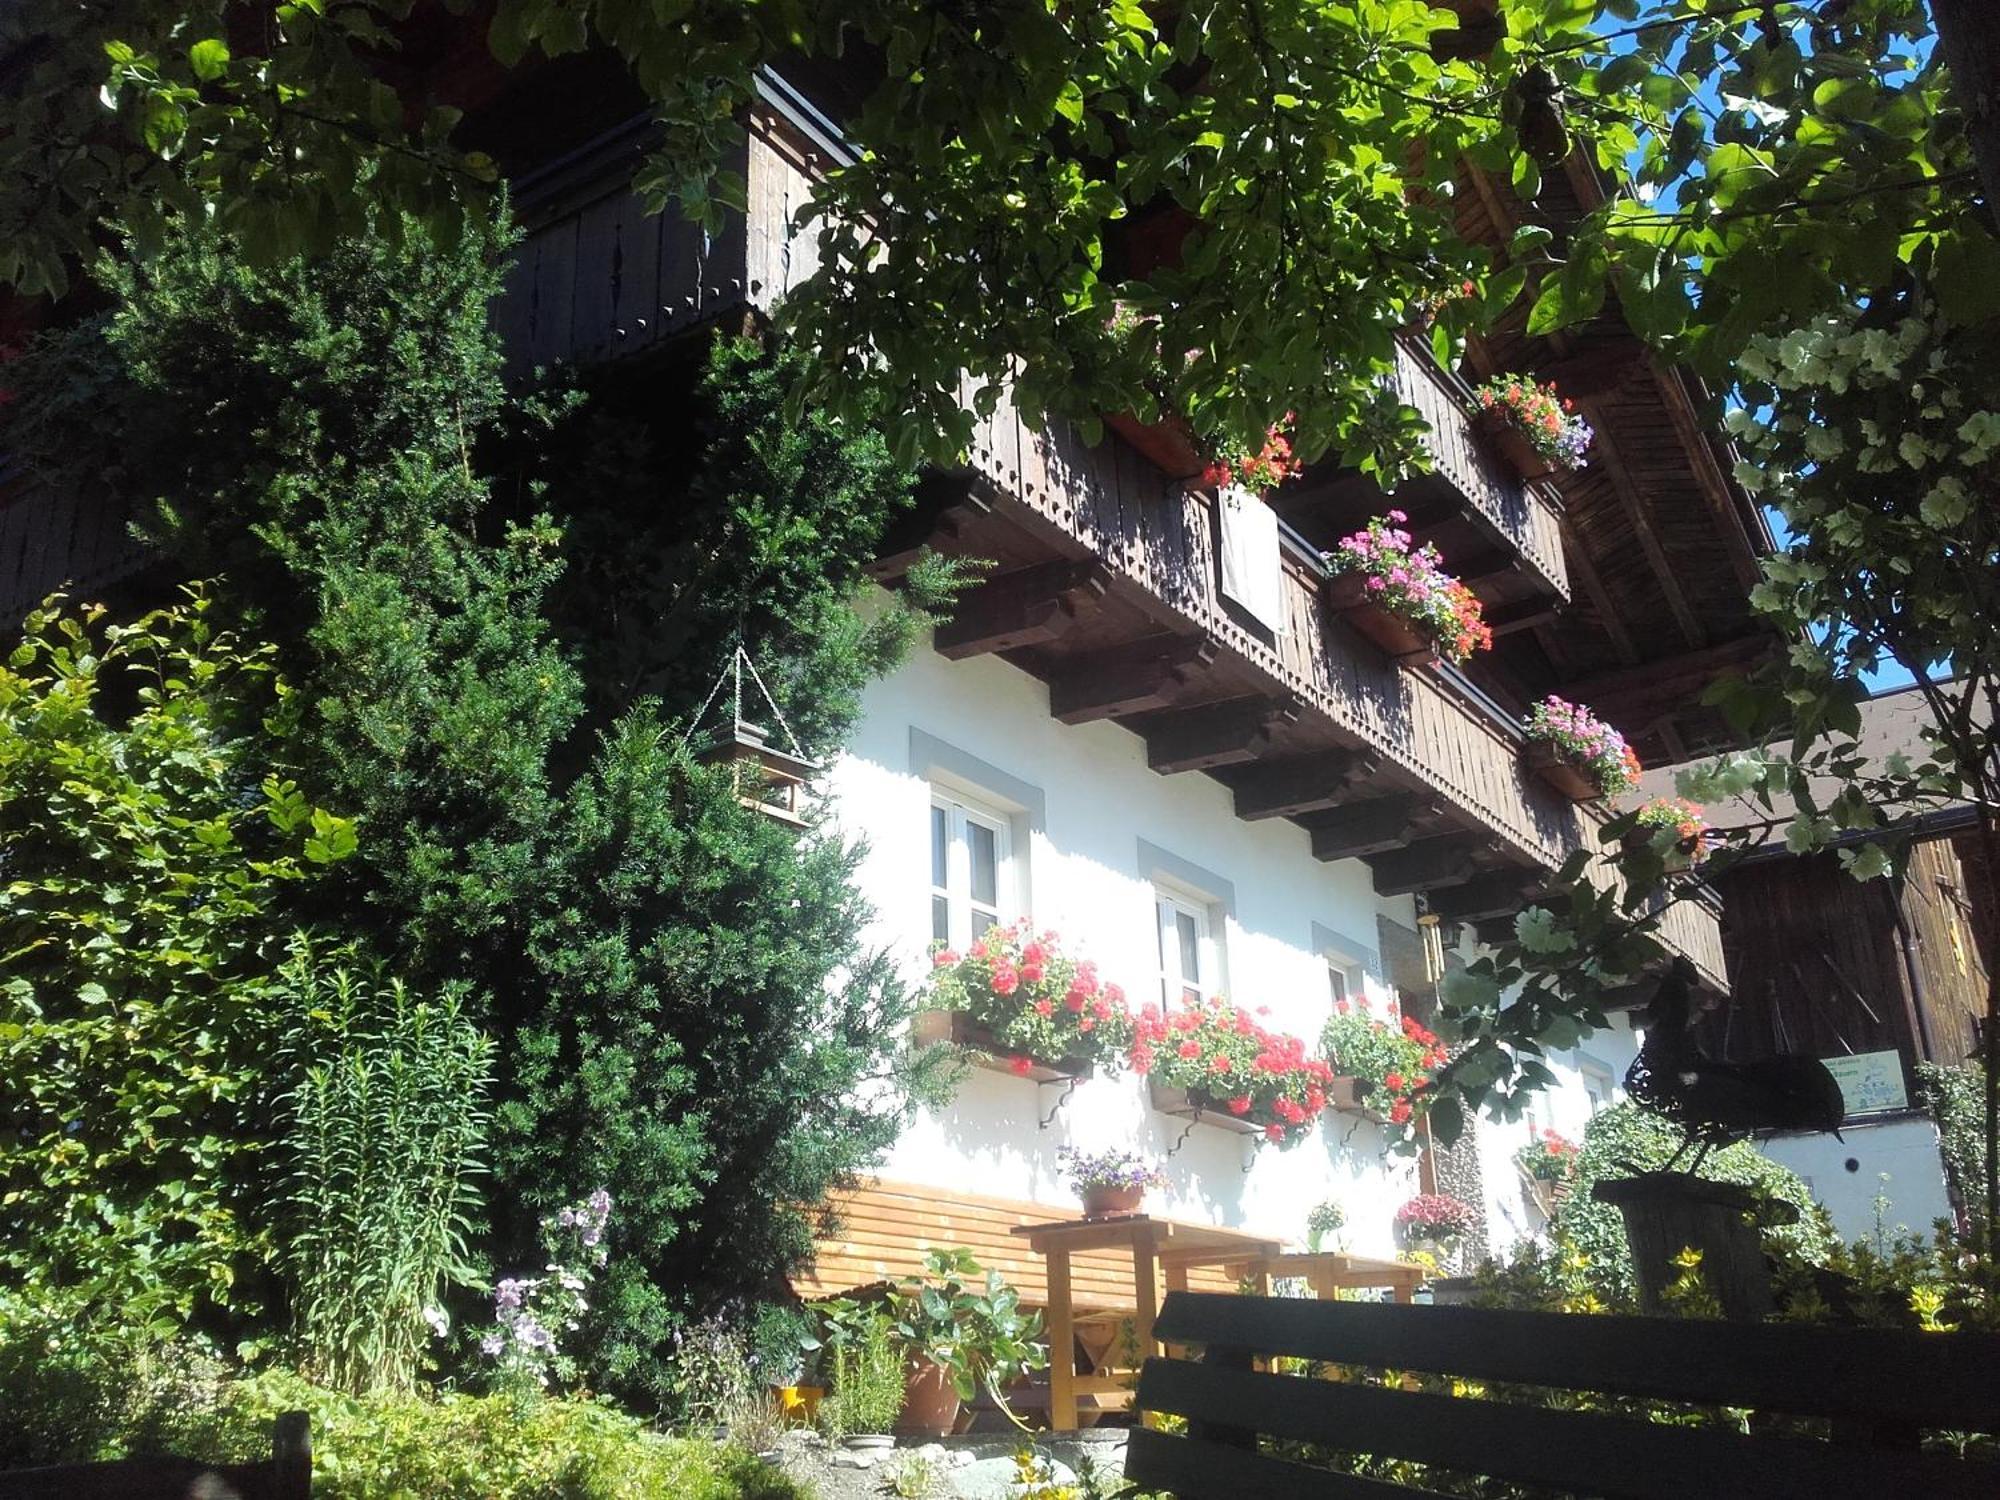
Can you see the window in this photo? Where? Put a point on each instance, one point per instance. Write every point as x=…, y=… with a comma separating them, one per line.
x=1190, y=964
x=1596, y=1084
x=971, y=869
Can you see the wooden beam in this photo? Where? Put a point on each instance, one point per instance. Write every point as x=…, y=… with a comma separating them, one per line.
x=1477, y=568
x=1304, y=783
x=1131, y=679
x=1445, y=859
x=1485, y=898
x=1718, y=485
x=1509, y=619
x=945, y=509
x=1215, y=734
x=1028, y=607
x=1626, y=693
x=1583, y=568
x=1639, y=512
x=1372, y=827
x=1602, y=367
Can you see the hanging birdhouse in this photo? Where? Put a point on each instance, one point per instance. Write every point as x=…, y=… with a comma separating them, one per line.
x=770, y=774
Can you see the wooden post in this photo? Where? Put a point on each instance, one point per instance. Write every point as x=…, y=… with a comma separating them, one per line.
x=1062, y=1344
x=291, y=1456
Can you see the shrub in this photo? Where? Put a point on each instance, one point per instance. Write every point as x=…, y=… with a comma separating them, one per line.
x=865, y=1375
x=381, y=1135
x=1625, y=1139
x=1956, y=1099
x=152, y=853
x=969, y=1324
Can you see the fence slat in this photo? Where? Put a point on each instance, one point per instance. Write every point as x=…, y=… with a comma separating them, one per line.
x=1616, y=1457
x=1937, y=1380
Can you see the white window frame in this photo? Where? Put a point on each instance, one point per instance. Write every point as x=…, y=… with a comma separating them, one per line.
x=1346, y=978
x=1592, y=1074
x=1170, y=904
x=962, y=810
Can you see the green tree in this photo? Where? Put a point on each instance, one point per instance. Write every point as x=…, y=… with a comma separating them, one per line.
x=681, y=1006
x=152, y=849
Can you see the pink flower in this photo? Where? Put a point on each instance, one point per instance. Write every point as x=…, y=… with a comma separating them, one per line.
x=1020, y=1066
x=1274, y=1132
x=1240, y=1105
x=1043, y=1008
x=1005, y=981
x=944, y=958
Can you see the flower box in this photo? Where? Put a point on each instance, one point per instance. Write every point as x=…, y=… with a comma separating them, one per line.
x=1188, y=1104
x=987, y=1051
x=1346, y=1094
x=1560, y=774
x=1511, y=446
x=1399, y=640
x=1167, y=444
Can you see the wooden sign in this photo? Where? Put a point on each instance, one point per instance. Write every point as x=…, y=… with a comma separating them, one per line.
x=1870, y=1082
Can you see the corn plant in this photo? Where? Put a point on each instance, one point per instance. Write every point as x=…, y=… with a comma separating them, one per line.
x=383, y=1127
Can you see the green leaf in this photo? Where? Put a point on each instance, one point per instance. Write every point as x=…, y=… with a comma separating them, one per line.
x=209, y=59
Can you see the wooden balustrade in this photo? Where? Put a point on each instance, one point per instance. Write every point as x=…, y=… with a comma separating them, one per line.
x=597, y=279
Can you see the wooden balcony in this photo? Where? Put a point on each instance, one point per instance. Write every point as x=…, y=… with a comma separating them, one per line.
x=1105, y=572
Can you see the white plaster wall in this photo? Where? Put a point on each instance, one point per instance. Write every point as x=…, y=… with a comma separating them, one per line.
x=1565, y=1106
x=1897, y=1157
x=1086, y=882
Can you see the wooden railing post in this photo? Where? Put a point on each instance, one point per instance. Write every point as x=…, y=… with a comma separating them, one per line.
x=291, y=1457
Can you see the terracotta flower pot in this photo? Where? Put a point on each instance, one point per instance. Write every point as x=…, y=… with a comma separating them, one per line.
x=1346, y=1094
x=1102, y=1199
x=930, y=1402
x=1167, y=443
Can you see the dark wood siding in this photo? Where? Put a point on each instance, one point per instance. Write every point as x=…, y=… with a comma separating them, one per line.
x=1819, y=965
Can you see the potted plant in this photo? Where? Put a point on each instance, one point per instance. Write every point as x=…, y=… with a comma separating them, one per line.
x=1400, y=597
x=1164, y=439
x=1109, y=1182
x=1675, y=830
x=1214, y=1063
x=865, y=1370
x=1436, y=1222
x=1324, y=1224
x=1256, y=470
x=1016, y=1000
x=1531, y=427
x=1577, y=753
x=961, y=1335
x=1379, y=1069
x=1545, y=1164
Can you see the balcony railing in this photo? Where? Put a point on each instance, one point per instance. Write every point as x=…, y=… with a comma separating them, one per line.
x=599, y=280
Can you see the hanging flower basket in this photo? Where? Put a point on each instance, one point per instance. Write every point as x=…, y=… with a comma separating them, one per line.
x=1576, y=753
x=1510, y=445
x=1386, y=1065
x=1215, y=1064
x=1167, y=444
x=1396, y=638
x=1559, y=773
x=1204, y=1108
x=985, y=1050
x=1400, y=597
x=1530, y=428
x=1349, y=1095
x=1018, y=999
x=1684, y=818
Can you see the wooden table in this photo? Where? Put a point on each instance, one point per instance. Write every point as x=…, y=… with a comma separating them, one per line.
x=1166, y=1244
x=1327, y=1271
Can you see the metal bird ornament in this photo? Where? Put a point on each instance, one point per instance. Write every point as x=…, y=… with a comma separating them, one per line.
x=1714, y=1102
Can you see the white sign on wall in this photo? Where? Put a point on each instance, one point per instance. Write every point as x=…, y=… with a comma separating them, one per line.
x=1870, y=1082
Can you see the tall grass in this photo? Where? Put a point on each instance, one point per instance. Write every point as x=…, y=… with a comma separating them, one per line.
x=383, y=1126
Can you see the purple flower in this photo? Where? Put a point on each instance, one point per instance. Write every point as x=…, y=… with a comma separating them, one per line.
x=491, y=1345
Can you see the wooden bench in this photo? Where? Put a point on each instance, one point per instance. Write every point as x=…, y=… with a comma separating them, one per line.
x=884, y=1230
x=285, y=1475
x=1877, y=1388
